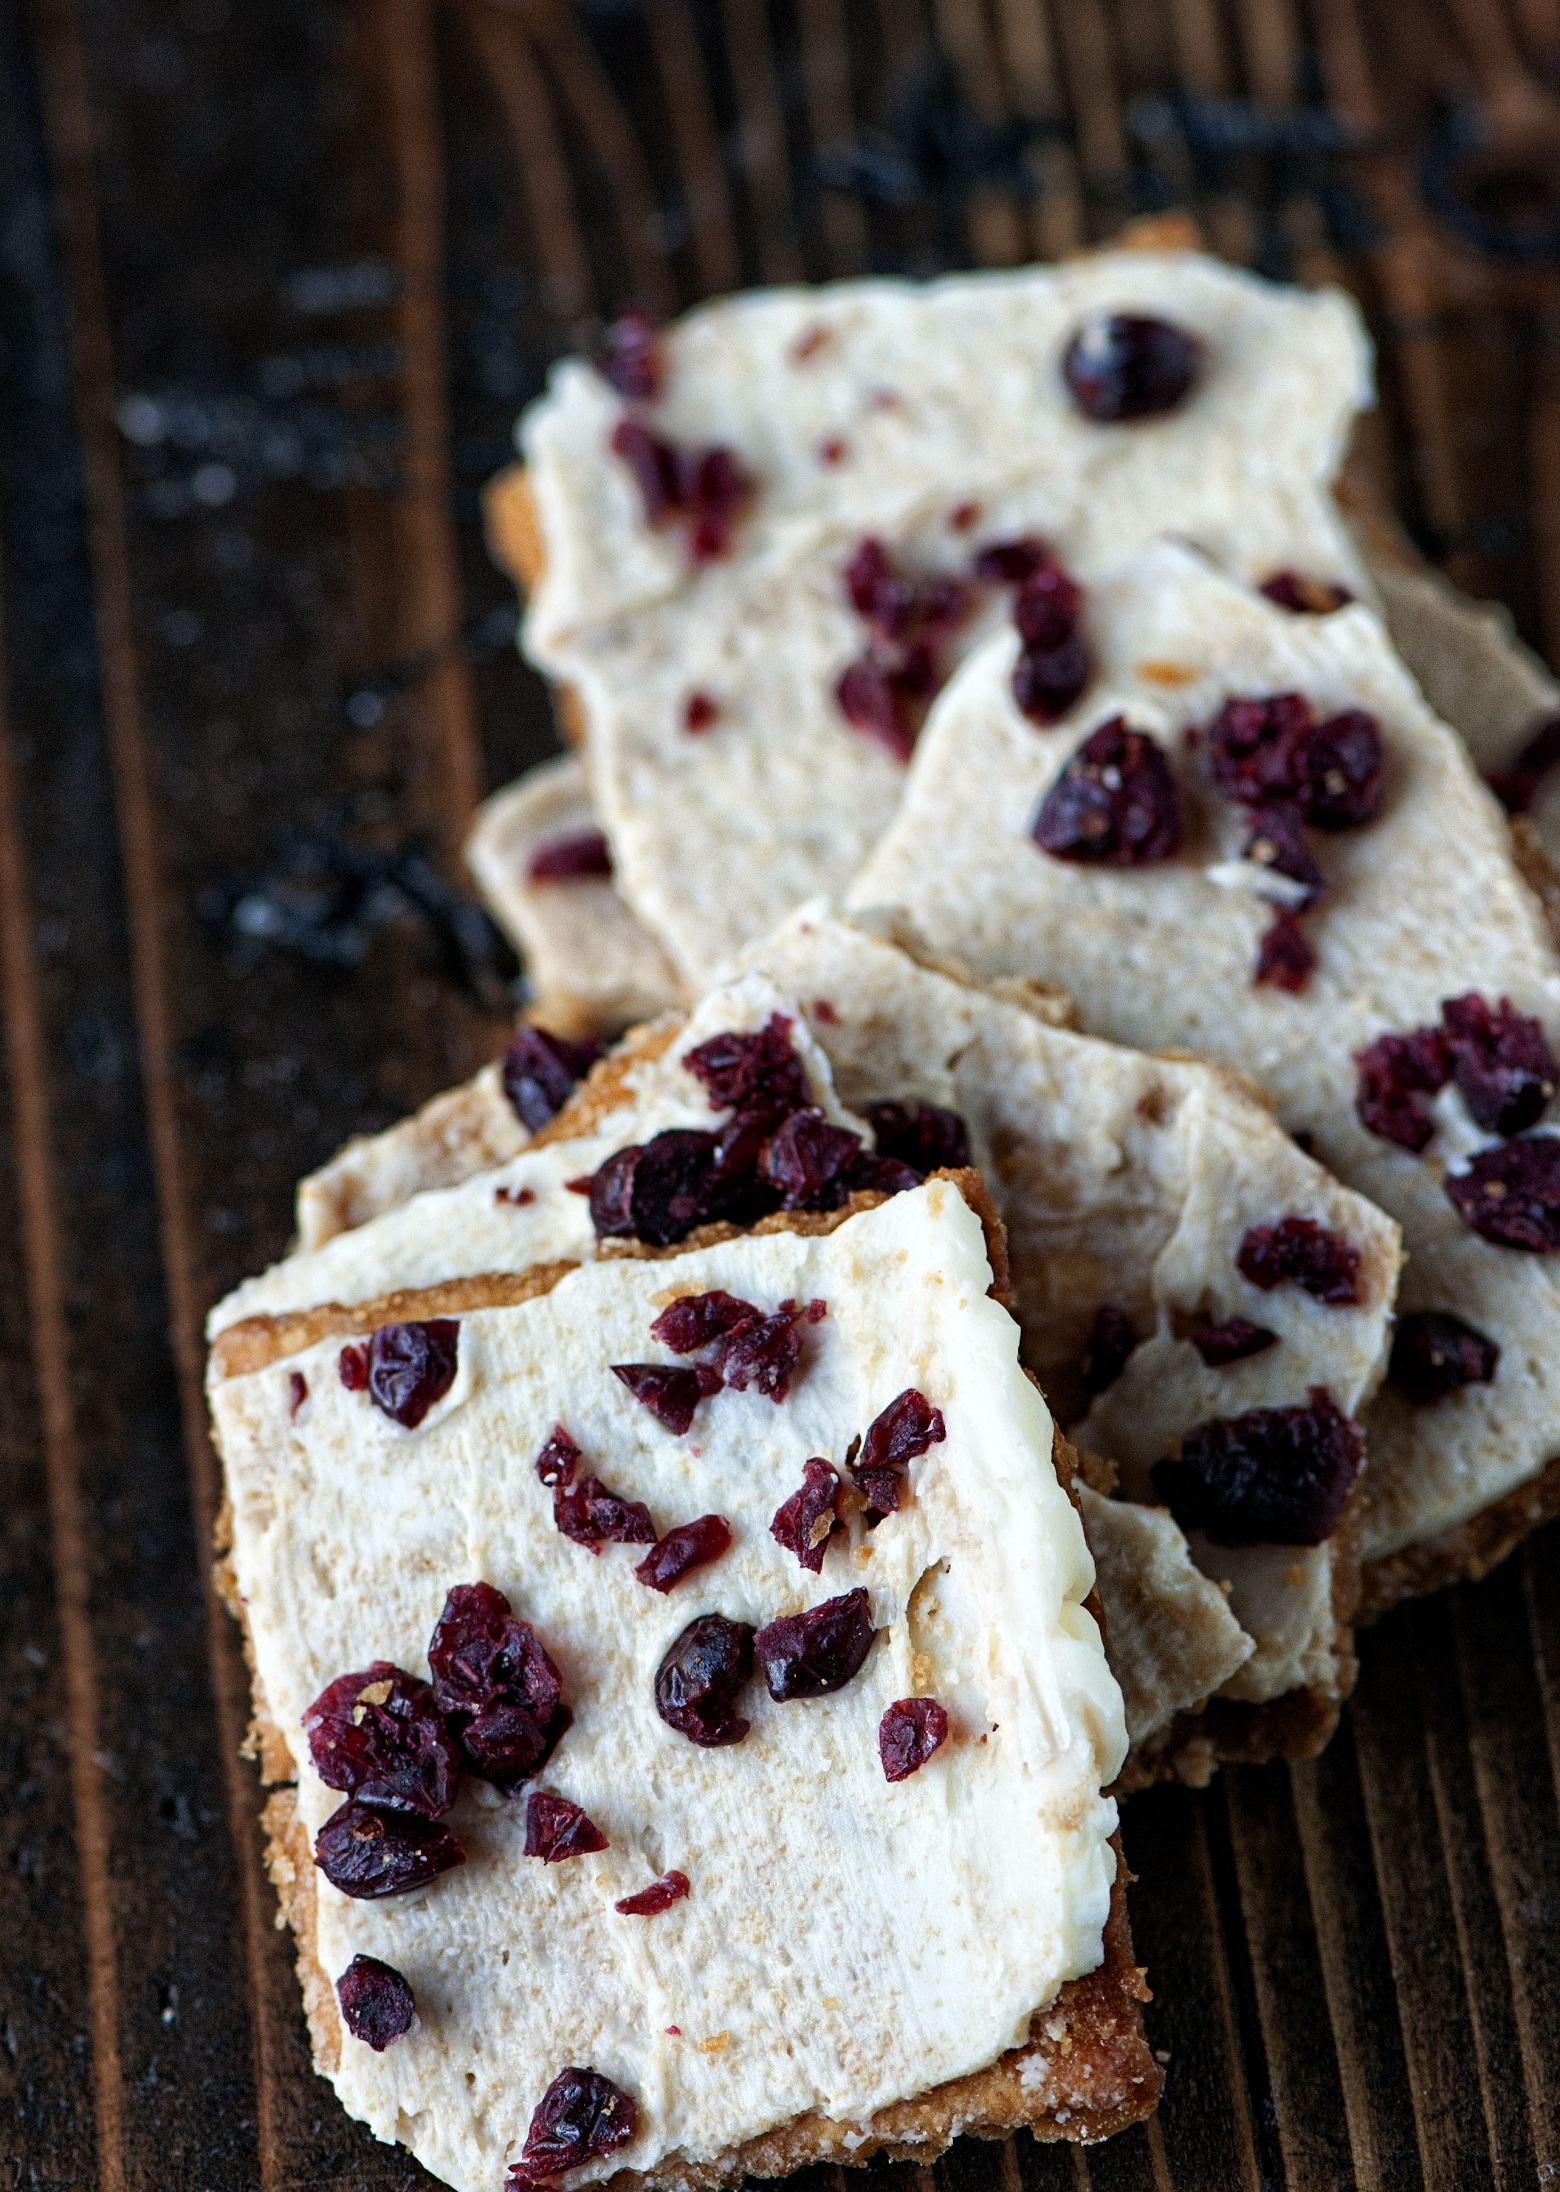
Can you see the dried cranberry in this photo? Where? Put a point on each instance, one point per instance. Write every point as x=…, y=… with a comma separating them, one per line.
x=1010, y=562
x=671, y=1395
x=813, y=1653
x=698, y=1681
x=696, y=1320
x=1299, y=1252
x=700, y=713
x=1284, y=955
x=582, y=2114
x=926, y=1137
x=352, y=1368
x=1275, y=838
x=1113, y=804
x=807, y=1520
x=297, y=1392
x=1510, y=1195
x=1516, y=786
x=1125, y=365
x=873, y=697
x=1502, y=1062
x=540, y=1071
x=1047, y=606
x=691, y=1545
x=1342, y=771
x=896, y=1436
x=878, y=594
x=887, y=690
x=410, y=1366
x=1275, y=1476
x=582, y=856
x=1255, y=747
x=870, y=1174
x=630, y=358
x=591, y=1515
x=763, y=1354
x=497, y=1687
x=556, y=1829
x=705, y=488
x=761, y=1070
x=376, y=2002
x=1395, y=1072
x=806, y=1160
x=1111, y=1341
x=1304, y=596
x=1053, y=665
x=379, y=1735
x=558, y=1458
x=368, y=1853
x=658, y=1896
x=908, y=1733
x=655, y=1191
x=1435, y=1353
x=1232, y=1341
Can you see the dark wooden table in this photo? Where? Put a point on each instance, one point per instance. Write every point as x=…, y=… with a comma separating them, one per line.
x=274, y=279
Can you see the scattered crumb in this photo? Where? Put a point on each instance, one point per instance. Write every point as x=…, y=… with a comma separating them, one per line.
x=717, y=2044
x=1167, y=673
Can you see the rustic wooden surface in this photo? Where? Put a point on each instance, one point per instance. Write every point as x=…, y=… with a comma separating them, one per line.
x=274, y=279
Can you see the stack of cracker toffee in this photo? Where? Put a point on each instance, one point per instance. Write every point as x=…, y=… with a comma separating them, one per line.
x=1020, y=1212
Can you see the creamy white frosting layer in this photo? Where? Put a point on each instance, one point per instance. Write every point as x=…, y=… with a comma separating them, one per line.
x=846, y=1943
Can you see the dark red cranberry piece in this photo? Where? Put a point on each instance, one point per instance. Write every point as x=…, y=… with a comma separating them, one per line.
x=630, y=358
x=1501, y=1061
x=908, y=1733
x=1275, y=838
x=1395, y=1073
x=813, y=1653
x=558, y=1458
x=1342, y=770
x=1285, y=959
x=352, y=1367
x=297, y=1392
x=1125, y=365
x=763, y=1354
x=556, y=1829
x=582, y=2114
x=807, y=1520
x=1114, y=803
x=870, y=1174
x=876, y=697
x=696, y=1320
x=1304, y=596
x=1516, y=786
x=1435, y=1353
x=716, y=489
x=691, y=1545
x=654, y=464
x=1299, y=1252
x=591, y=1515
x=656, y=1191
x=1275, y=1476
x=1047, y=680
x=926, y=1137
x=896, y=1437
x=1047, y=606
x=540, y=1073
x=497, y=1687
x=1010, y=562
x=379, y=1735
x=410, y=1366
x=376, y=2002
x=700, y=713
x=658, y=1896
x=1255, y=747
x=806, y=1158
x=582, y=856
x=698, y=1682
x=368, y=1853
x=880, y=596
x=1510, y=1195
x=1111, y=1341
x=1235, y=1340
x=761, y=1070
x=670, y=1394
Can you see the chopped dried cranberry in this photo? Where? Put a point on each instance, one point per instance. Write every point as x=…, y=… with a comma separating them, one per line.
x=519, y=1196
x=813, y=1653
x=352, y=1368
x=696, y=1320
x=871, y=1174
x=1232, y=1341
x=1114, y=803
x=558, y=1458
x=1011, y=562
x=582, y=2114
x=670, y=1394
x=297, y=1392
x=630, y=358
x=376, y=2002
x=706, y=488
x=655, y=1191
x=1284, y=955
x=1111, y=1341
x=1053, y=664
x=379, y=1735
x=699, y=713
x=880, y=596
x=908, y=1733
x=763, y=1354
x=497, y=1687
x=591, y=1515
x=874, y=697
x=691, y=1545
x=1435, y=1354
x=1395, y=1072
x=807, y=1520
x=697, y=1683
x=926, y=1137
x=368, y=1853
x=806, y=1159
x=1516, y=786
x=896, y=1436
x=583, y=856
x=1125, y=365
x=556, y=1829
x=540, y=1072
x=1501, y=1060
x=1299, y=1252
x=1255, y=747
x=1342, y=771
x=762, y=1070
x=1304, y=596
x=658, y=1896
x=654, y=464
x=887, y=691
x=963, y=516
x=1275, y=1476
x=1047, y=605
x=1275, y=838
x=1510, y=1195
x=410, y=1366
x=832, y=450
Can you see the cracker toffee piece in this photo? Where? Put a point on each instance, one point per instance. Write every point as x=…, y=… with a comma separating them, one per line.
x=1421, y=903
x=960, y=1960
x=933, y=421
